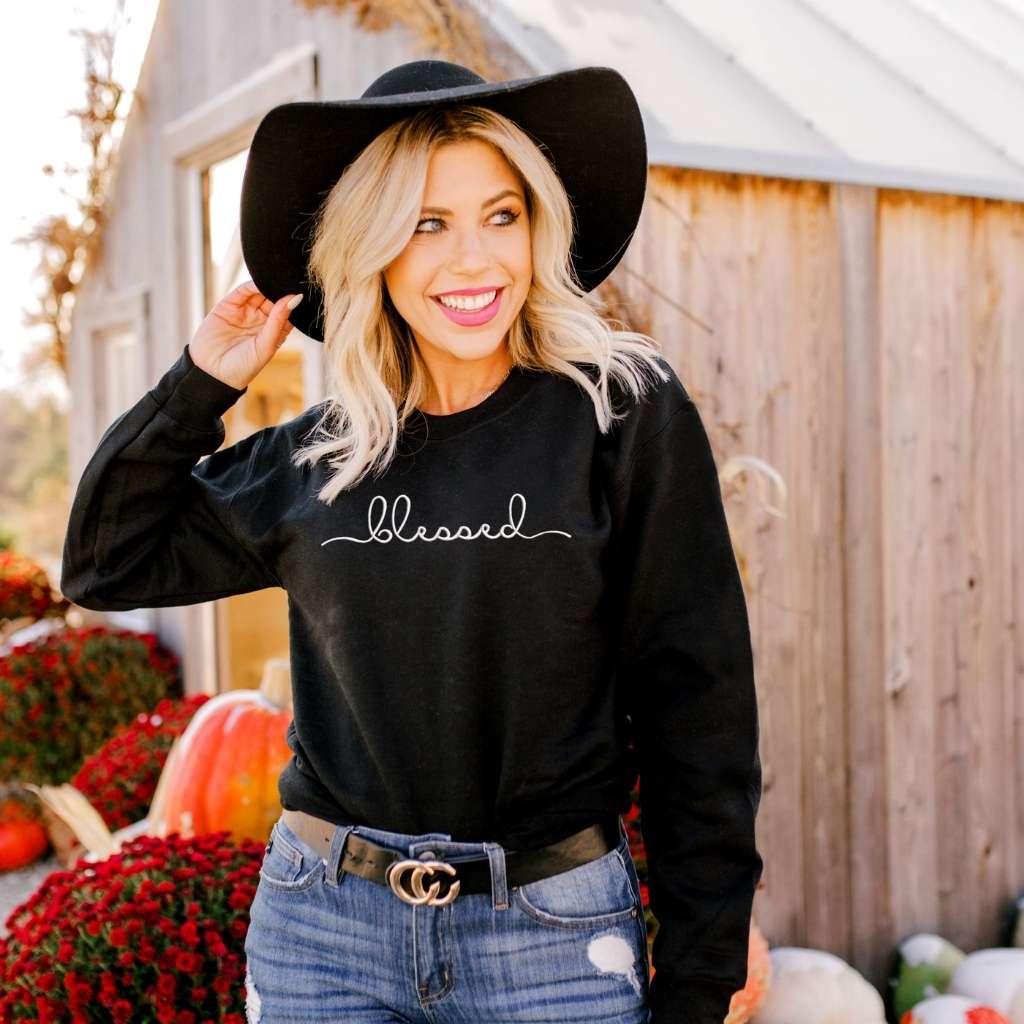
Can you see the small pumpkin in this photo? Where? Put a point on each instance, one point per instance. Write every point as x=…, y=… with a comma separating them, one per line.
x=993, y=977
x=22, y=842
x=13, y=808
x=23, y=835
x=225, y=771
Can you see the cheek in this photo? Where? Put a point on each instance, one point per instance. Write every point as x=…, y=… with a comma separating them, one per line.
x=524, y=275
x=392, y=280
x=524, y=255
x=402, y=282
x=524, y=281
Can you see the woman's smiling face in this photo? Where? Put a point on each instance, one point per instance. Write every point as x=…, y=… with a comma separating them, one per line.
x=473, y=235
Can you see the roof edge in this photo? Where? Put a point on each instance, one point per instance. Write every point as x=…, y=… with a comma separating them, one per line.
x=819, y=168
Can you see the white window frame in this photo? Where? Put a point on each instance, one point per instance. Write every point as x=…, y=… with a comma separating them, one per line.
x=126, y=310
x=214, y=131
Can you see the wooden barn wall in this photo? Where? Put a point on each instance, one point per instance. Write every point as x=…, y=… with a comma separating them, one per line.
x=862, y=343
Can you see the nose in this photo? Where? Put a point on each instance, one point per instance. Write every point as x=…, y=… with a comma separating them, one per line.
x=471, y=252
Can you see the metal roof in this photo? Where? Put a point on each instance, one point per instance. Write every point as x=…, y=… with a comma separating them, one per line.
x=919, y=94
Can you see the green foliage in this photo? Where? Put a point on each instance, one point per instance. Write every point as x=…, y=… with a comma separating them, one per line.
x=34, y=491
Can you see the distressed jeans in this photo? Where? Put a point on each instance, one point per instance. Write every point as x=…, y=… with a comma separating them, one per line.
x=326, y=948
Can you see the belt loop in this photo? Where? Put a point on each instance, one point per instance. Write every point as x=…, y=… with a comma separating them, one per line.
x=334, y=854
x=499, y=875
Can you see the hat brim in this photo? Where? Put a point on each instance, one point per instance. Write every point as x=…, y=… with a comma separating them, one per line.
x=586, y=121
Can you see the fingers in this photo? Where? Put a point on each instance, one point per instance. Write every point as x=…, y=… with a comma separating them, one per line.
x=244, y=298
x=244, y=292
x=265, y=306
x=278, y=326
x=271, y=317
x=286, y=304
x=289, y=303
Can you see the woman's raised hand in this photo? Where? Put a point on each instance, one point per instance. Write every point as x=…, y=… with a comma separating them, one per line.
x=241, y=334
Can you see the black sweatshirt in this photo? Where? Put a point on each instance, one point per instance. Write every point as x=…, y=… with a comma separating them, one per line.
x=489, y=640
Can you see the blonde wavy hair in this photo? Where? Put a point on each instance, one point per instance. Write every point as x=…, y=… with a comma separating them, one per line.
x=376, y=377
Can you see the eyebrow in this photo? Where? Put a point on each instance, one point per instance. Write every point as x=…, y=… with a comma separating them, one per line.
x=483, y=205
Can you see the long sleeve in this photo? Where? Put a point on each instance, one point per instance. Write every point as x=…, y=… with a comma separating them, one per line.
x=151, y=525
x=686, y=671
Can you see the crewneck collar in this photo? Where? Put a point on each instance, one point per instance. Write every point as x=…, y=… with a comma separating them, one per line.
x=438, y=427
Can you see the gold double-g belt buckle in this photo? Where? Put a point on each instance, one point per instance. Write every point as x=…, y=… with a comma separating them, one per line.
x=397, y=872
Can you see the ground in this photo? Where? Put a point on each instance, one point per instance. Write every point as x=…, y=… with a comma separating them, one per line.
x=17, y=886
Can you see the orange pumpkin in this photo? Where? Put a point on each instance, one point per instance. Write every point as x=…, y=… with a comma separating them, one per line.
x=13, y=808
x=224, y=773
x=22, y=842
x=759, y=968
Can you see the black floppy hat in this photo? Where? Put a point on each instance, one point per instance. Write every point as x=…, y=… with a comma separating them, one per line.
x=586, y=121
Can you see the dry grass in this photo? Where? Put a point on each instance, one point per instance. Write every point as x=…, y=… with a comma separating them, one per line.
x=443, y=29
x=67, y=245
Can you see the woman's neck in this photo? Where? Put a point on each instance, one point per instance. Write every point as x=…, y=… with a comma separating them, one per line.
x=456, y=394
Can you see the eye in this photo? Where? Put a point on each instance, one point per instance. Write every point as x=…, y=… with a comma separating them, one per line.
x=512, y=214
x=513, y=217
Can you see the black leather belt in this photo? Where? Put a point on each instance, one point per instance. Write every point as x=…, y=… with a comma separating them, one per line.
x=405, y=876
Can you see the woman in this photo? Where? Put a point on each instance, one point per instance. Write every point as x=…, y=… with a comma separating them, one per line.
x=510, y=580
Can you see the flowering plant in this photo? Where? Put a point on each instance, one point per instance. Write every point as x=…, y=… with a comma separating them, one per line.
x=63, y=695
x=636, y=848
x=154, y=933
x=120, y=779
x=636, y=843
x=24, y=588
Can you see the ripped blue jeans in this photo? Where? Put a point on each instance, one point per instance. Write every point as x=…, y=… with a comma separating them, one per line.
x=323, y=948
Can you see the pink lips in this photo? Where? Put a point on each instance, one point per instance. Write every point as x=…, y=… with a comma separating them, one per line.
x=471, y=291
x=477, y=316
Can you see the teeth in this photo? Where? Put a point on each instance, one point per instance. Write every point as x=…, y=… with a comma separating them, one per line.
x=468, y=302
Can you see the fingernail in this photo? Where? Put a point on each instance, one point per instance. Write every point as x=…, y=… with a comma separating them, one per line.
x=294, y=301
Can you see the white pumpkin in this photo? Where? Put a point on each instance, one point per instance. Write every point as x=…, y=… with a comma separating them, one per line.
x=812, y=986
x=994, y=977
x=951, y=1010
